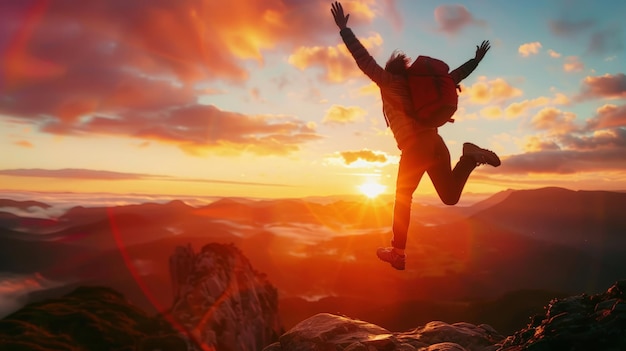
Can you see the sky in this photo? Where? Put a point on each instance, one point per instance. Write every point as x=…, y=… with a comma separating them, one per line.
x=261, y=98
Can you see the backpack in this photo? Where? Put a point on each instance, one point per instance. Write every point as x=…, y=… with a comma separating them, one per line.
x=433, y=92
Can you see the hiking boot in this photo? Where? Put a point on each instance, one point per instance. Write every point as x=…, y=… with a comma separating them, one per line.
x=388, y=254
x=481, y=156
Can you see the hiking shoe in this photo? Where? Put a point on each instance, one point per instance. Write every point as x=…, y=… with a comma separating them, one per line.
x=481, y=156
x=387, y=254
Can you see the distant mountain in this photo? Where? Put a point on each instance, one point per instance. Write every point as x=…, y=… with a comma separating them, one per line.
x=22, y=205
x=592, y=221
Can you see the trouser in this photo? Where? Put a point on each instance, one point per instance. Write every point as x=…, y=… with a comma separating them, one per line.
x=429, y=155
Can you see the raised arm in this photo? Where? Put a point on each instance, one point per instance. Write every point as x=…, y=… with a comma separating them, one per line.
x=468, y=67
x=363, y=59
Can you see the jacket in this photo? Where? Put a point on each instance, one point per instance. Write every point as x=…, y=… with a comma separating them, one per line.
x=394, y=90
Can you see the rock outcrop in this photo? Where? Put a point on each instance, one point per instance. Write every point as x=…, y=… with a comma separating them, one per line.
x=332, y=332
x=89, y=318
x=221, y=301
x=584, y=322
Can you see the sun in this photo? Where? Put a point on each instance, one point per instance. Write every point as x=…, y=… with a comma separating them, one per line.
x=371, y=189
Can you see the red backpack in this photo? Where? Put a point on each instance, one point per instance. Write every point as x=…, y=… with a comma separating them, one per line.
x=433, y=92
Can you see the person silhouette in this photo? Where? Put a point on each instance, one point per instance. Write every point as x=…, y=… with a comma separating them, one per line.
x=422, y=148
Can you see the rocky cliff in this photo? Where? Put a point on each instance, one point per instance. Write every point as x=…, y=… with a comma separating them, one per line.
x=221, y=300
x=220, y=304
x=585, y=322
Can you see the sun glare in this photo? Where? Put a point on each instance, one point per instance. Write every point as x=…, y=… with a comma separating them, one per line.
x=372, y=189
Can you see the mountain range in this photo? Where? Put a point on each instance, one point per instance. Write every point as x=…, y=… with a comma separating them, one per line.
x=518, y=248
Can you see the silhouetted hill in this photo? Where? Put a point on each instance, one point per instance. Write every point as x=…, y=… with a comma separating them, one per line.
x=22, y=204
x=589, y=220
x=89, y=318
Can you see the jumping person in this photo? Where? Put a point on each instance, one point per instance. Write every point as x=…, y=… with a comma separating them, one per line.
x=422, y=148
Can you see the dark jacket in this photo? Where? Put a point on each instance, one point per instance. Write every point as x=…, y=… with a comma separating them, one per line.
x=395, y=92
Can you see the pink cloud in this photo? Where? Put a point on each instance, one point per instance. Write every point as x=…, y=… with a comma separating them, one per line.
x=608, y=116
x=454, y=18
x=610, y=86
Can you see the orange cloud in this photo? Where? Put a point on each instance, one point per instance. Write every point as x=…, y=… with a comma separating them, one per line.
x=453, y=18
x=484, y=91
x=343, y=115
x=349, y=157
x=573, y=64
x=608, y=116
x=24, y=143
x=518, y=108
x=370, y=89
x=491, y=112
x=336, y=61
x=554, y=120
x=528, y=49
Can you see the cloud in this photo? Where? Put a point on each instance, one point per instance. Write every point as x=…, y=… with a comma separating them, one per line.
x=491, y=112
x=72, y=67
x=564, y=147
x=14, y=288
x=604, y=41
x=90, y=174
x=24, y=143
x=336, y=62
x=518, y=108
x=568, y=27
x=553, y=54
x=528, y=49
x=196, y=129
x=350, y=157
x=600, y=40
x=343, y=115
x=451, y=19
x=370, y=89
x=566, y=162
x=554, y=120
x=608, y=116
x=606, y=86
x=573, y=64
x=489, y=91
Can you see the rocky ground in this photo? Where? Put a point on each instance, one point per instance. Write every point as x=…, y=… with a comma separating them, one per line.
x=585, y=322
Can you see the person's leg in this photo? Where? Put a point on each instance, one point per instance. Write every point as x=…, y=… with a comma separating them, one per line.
x=448, y=182
x=410, y=172
x=413, y=163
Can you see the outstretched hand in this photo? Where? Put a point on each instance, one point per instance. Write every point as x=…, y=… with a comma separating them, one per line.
x=482, y=50
x=340, y=19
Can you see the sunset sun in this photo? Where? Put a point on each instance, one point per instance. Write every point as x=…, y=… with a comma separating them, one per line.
x=371, y=189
